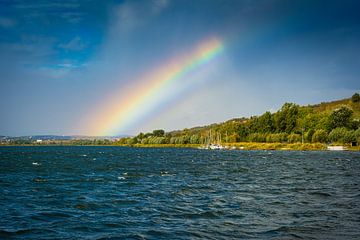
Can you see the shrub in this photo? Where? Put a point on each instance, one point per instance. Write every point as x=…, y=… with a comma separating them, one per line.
x=257, y=137
x=342, y=135
x=294, y=138
x=319, y=136
x=156, y=140
x=277, y=137
x=355, y=98
x=357, y=135
x=308, y=135
x=349, y=136
x=131, y=141
x=340, y=117
x=338, y=135
x=194, y=139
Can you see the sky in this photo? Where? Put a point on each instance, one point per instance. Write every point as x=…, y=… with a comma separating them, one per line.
x=124, y=67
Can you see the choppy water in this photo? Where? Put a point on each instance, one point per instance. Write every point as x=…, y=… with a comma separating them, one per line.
x=130, y=193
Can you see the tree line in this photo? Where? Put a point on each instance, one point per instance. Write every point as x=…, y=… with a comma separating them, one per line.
x=335, y=122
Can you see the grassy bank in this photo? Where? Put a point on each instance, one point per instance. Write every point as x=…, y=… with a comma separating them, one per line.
x=238, y=146
x=279, y=146
x=161, y=145
x=247, y=146
x=253, y=146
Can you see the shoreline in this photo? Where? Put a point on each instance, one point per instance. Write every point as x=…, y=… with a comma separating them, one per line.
x=231, y=146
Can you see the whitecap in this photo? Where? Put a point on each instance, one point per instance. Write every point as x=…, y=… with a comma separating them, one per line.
x=121, y=178
x=164, y=173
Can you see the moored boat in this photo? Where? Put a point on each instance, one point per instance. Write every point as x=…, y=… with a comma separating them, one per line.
x=336, y=148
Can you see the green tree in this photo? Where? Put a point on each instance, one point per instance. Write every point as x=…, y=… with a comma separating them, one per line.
x=309, y=134
x=285, y=119
x=242, y=133
x=157, y=140
x=294, y=138
x=131, y=141
x=320, y=135
x=340, y=117
x=338, y=135
x=140, y=136
x=145, y=141
x=357, y=135
x=265, y=123
x=194, y=139
x=355, y=124
x=158, y=133
x=355, y=98
x=147, y=135
x=349, y=136
x=276, y=137
x=234, y=138
x=257, y=137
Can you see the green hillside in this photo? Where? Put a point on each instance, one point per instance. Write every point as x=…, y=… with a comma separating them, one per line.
x=327, y=122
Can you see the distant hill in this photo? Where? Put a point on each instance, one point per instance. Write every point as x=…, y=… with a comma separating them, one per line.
x=331, y=106
x=62, y=137
x=321, y=108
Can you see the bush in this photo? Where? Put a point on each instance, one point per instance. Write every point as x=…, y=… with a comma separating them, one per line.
x=158, y=133
x=349, y=137
x=355, y=98
x=342, y=135
x=173, y=140
x=355, y=124
x=131, y=141
x=338, y=135
x=277, y=137
x=357, y=135
x=180, y=140
x=257, y=137
x=319, y=136
x=156, y=140
x=194, y=139
x=308, y=135
x=294, y=138
x=234, y=138
x=340, y=117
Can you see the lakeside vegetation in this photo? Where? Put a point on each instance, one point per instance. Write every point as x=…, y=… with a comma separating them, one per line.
x=336, y=122
x=293, y=127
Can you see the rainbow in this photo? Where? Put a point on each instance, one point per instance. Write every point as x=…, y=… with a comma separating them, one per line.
x=117, y=115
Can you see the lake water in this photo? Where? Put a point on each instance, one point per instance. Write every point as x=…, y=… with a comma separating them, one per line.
x=138, y=193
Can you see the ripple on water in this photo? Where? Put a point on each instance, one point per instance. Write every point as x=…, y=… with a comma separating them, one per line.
x=131, y=193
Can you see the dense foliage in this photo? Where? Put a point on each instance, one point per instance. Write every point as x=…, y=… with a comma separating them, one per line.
x=334, y=122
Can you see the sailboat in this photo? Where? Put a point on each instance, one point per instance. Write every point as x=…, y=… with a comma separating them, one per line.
x=211, y=144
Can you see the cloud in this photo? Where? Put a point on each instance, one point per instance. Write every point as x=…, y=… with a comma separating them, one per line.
x=31, y=50
x=73, y=17
x=75, y=44
x=159, y=5
x=46, y=5
x=131, y=14
x=127, y=14
x=69, y=11
x=7, y=22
